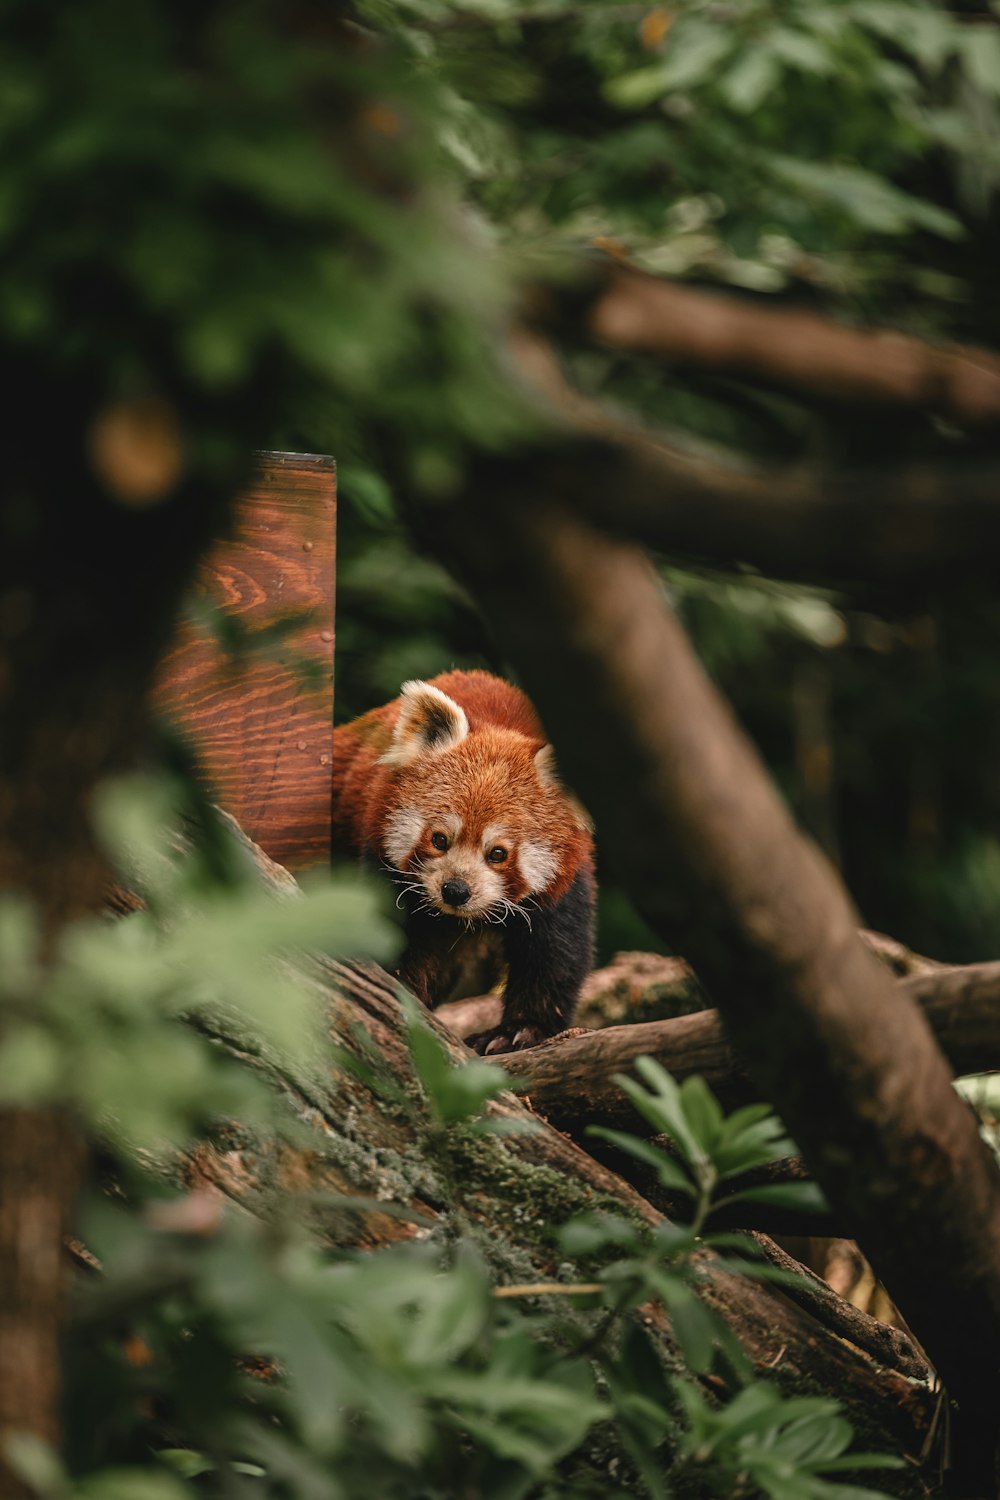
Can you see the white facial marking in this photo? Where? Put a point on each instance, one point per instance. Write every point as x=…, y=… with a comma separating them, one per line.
x=429, y=723
x=402, y=834
x=548, y=775
x=493, y=835
x=538, y=864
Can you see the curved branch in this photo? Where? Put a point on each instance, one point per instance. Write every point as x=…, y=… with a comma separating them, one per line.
x=791, y=350
x=873, y=525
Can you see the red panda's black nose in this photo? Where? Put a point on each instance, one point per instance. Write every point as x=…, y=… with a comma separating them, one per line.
x=455, y=892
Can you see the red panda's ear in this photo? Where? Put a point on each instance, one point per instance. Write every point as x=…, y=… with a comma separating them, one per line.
x=429, y=722
x=548, y=775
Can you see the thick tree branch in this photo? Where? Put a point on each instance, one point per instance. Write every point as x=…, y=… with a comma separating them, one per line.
x=808, y=356
x=711, y=854
x=571, y=1077
x=874, y=525
x=637, y=987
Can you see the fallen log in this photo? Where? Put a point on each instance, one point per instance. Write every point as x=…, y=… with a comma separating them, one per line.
x=369, y=1168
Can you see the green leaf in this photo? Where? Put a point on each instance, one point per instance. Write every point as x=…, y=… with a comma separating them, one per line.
x=803, y=1197
x=35, y=1462
x=670, y=1173
x=750, y=80
x=702, y=1113
x=586, y=1234
x=980, y=53
x=927, y=34
x=872, y=201
x=455, y=1091
x=695, y=1326
x=801, y=51
x=32, y=1064
x=20, y=971
x=694, y=51
x=662, y=1106
x=133, y=1484
x=816, y=1439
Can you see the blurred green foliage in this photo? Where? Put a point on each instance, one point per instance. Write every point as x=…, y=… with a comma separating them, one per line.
x=303, y=228
x=95, y=1026
x=215, y=1353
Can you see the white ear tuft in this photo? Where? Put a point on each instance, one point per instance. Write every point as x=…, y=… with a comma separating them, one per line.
x=548, y=775
x=429, y=723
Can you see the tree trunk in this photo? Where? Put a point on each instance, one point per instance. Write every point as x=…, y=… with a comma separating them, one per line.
x=88, y=590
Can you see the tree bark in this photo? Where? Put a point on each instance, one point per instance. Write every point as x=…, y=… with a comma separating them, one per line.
x=40, y=1157
x=88, y=590
x=571, y=1077
x=788, y=349
x=849, y=1062
x=923, y=521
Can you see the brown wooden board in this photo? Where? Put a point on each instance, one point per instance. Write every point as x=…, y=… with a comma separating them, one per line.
x=259, y=718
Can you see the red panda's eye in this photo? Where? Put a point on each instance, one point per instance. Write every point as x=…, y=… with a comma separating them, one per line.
x=497, y=855
x=440, y=841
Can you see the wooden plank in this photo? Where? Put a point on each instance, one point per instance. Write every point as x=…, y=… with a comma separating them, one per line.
x=259, y=719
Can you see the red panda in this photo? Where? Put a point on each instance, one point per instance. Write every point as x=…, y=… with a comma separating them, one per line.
x=452, y=789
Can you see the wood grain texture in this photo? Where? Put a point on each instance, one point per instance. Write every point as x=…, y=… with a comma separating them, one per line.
x=251, y=687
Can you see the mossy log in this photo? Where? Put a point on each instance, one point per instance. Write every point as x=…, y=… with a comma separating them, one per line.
x=374, y=1168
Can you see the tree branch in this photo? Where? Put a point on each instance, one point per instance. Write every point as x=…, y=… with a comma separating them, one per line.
x=570, y=1078
x=801, y=353
x=876, y=525
x=637, y=987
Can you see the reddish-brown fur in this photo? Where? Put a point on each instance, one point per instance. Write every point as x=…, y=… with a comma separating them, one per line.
x=488, y=778
x=451, y=789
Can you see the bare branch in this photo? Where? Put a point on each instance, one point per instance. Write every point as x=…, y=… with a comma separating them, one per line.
x=877, y=525
x=571, y=1078
x=809, y=1291
x=638, y=987
x=808, y=356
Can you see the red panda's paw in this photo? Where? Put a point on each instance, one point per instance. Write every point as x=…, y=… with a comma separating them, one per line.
x=487, y=1043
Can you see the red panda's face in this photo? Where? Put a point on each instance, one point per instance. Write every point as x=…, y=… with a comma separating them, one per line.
x=475, y=824
x=473, y=830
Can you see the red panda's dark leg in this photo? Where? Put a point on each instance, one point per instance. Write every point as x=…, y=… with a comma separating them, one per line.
x=546, y=966
x=423, y=966
x=436, y=957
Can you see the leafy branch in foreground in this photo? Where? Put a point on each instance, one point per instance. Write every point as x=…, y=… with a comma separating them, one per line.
x=246, y=1357
x=710, y=1148
x=759, y=1441
x=100, y=1027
